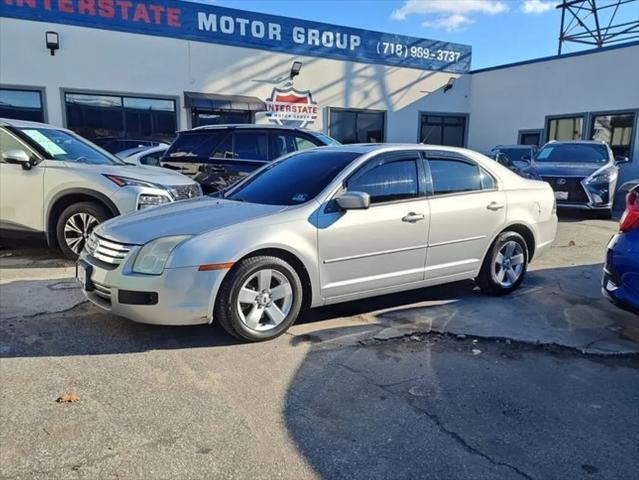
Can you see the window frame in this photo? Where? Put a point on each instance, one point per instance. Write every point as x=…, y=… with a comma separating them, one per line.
x=427, y=155
x=549, y=118
x=31, y=88
x=532, y=131
x=114, y=93
x=330, y=111
x=630, y=111
x=423, y=113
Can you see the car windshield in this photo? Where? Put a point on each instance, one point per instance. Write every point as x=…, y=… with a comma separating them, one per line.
x=573, y=153
x=516, y=154
x=66, y=146
x=294, y=179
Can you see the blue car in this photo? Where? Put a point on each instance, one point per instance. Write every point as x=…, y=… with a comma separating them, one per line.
x=621, y=271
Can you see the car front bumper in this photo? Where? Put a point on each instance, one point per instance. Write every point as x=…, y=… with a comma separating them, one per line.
x=179, y=296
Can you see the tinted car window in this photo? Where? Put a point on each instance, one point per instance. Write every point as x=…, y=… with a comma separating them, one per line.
x=451, y=176
x=516, y=154
x=573, y=153
x=293, y=180
x=281, y=144
x=194, y=145
x=224, y=149
x=388, y=182
x=250, y=145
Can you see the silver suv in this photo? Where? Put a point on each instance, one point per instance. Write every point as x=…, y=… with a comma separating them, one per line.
x=56, y=183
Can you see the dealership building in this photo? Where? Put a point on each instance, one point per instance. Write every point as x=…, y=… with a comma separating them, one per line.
x=146, y=69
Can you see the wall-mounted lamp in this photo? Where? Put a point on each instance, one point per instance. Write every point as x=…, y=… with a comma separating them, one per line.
x=295, y=69
x=449, y=84
x=53, y=41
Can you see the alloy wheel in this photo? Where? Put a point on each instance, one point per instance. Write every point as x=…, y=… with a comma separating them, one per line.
x=264, y=300
x=509, y=264
x=77, y=229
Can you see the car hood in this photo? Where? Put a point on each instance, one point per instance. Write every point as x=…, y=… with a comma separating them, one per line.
x=158, y=175
x=560, y=169
x=188, y=217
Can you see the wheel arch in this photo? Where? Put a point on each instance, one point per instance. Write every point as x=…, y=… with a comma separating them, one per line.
x=295, y=262
x=63, y=199
x=526, y=232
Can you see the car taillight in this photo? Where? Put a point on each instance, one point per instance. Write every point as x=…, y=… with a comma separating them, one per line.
x=630, y=218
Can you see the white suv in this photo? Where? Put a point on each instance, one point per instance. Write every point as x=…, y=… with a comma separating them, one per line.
x=56, y=183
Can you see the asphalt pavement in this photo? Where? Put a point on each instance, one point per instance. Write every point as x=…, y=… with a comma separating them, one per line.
x=435, y=383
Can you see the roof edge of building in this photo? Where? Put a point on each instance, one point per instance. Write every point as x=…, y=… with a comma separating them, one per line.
x=557, y=57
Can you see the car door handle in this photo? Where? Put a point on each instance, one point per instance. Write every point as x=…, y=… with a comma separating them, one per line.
x=413, y=217
x=495, y=206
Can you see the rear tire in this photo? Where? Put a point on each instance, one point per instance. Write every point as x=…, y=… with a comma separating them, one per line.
x=505, y=265
x=259, y=299
x=75, y=224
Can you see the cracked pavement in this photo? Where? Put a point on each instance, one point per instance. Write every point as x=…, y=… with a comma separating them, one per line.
x=436, y=383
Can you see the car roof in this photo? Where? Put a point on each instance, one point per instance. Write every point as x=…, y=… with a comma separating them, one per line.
x=576, y=142
x=260, y=126
x=12, y=122
x=518, y=145
x=363, y=148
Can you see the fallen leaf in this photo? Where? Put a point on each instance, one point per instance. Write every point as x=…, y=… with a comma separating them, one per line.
x=68, y=398
x=571, y=243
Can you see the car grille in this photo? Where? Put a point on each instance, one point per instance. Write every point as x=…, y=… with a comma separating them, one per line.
x=182, y=192
x=572, y=185
x=106, y=251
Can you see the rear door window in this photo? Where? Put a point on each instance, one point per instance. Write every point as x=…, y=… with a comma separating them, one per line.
x=250, y=145
x=454, y=176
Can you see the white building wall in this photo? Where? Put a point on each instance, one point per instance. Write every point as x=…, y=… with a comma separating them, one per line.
x=506, y=100
x=108, y=61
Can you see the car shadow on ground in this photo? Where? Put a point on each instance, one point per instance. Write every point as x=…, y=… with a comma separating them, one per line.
x=564, y=303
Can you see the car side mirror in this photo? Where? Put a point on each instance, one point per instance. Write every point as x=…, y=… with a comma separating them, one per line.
x=354, y=200
x=526, y=158
x=628, y=186
x=17, y=157
x=621, y=159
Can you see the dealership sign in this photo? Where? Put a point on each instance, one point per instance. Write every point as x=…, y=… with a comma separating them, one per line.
x=213, y=24
x=291, y=107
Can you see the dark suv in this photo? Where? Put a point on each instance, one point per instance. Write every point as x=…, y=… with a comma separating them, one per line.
x=217, y=156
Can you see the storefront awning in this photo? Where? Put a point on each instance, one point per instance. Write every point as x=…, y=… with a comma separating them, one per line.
x=215, y=101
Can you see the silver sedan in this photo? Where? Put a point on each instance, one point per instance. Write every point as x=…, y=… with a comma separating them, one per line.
x=320, y=227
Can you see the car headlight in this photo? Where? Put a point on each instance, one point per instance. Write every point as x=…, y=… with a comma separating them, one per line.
x=126, y=181
x=147, y=200
x=606, y=175
x=153, y=256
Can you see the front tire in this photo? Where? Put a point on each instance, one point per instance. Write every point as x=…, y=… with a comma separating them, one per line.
x=505, y=265
x=260, y=299
x=75, y=224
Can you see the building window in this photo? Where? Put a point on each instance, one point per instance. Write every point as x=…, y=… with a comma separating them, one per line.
x=356, y=126
x=96, y=116
x=530, y=137
x=565, y=128
x=447, y=130
x=21, y=104
x=616, y=130
x=219, y=117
